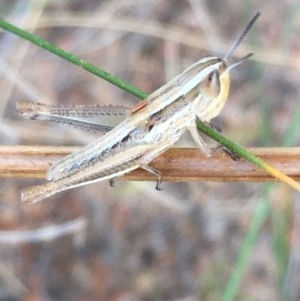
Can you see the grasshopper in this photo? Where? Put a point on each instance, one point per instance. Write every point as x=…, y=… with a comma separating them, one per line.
x=144, y=132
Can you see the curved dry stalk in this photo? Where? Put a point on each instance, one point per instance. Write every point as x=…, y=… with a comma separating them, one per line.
x=176, y=165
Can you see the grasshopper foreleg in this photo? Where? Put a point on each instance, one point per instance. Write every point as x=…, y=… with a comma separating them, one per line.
x=201, y=144
x=230, y=153
x=215, y=127
x=199, y=141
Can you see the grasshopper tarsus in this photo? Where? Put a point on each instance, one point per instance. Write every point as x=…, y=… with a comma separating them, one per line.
x=234, y=156
x=156, y=173
x=158, y=184
x=231, y=154
x=112, y=182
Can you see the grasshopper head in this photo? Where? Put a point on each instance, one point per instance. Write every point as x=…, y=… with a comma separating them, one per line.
x=215, y=85
x=213, y=89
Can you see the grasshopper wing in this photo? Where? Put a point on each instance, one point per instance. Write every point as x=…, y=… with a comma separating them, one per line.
x=91, y=117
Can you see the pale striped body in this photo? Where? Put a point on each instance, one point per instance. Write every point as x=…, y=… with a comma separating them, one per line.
x=142, y=136
x=175, y=113
x=149, y=129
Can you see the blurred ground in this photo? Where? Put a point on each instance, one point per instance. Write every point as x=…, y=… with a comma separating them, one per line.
x=133, y=242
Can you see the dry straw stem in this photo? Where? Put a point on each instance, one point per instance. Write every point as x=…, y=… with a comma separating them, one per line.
x=176, y=164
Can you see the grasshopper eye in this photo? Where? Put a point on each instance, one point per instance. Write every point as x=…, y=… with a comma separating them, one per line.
x=211, y=86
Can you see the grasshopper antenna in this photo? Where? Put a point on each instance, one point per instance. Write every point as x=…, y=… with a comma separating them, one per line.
x=240, y=39
x=240, y=61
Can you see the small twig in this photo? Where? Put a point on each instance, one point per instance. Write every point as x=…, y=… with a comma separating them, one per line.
x=176, y=165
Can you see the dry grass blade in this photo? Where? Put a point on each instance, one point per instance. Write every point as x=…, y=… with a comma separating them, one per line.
x=177, y=164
